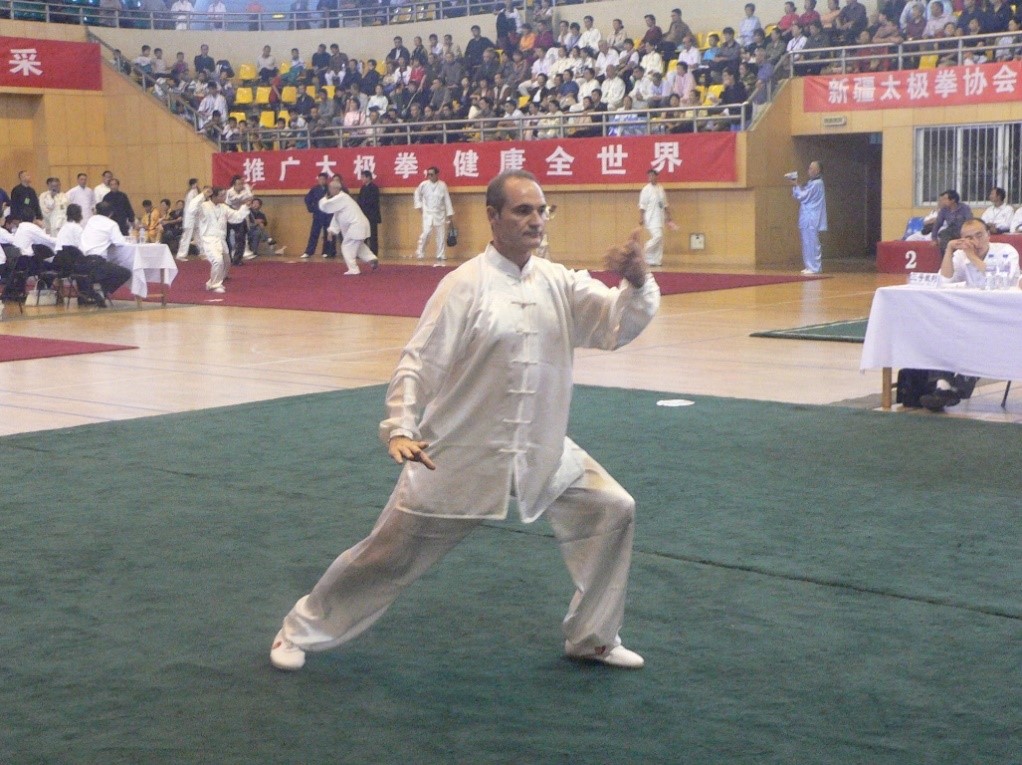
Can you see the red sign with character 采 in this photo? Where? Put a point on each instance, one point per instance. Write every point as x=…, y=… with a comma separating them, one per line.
x=28, y=63
x=694, y=158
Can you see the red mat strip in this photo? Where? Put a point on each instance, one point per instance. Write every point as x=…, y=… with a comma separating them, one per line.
x=19, y=348
x=393, y=290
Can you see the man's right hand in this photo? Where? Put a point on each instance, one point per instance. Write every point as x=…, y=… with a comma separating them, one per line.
x=402, y=448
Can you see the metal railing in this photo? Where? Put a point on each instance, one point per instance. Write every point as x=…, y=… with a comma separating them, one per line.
x=172, y=101
x=620, y=123
x=903, y=55
x=365, y=14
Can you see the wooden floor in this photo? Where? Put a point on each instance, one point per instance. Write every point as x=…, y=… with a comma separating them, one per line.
x=197, y=357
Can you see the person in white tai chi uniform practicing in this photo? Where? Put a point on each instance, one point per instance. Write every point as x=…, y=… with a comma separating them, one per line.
x=477, y=411
x=351, y=224
x=654, y=214
x=431, y=196
x=212, y=219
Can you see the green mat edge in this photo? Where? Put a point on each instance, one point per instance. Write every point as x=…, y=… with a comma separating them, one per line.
x=806, y=333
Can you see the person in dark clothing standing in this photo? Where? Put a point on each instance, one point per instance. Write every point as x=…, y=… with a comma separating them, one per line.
x=24, y=200
x=120, y=206
x=369, y=201
x=320, y=220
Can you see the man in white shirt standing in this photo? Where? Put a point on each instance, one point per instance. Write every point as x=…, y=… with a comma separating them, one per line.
x=434, y=200
x=53, y=203
x=997, y=217
x=182, y=10
x=654, y=214
x=478, y=405
x=80, y=194
x=193, y=199
x=104, y=187
x=351, y=224
x=213, y=218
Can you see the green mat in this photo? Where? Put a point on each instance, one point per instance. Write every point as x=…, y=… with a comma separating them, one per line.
x=810, y=585
x=853, y=331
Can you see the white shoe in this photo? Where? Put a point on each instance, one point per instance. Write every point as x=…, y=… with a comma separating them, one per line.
x=356, y=272
x=280, y=250
x=248, y=255
x=220, y=290
x=285, y=655
x=808, y=272
x=618, y=656
x=305, y=256
x=326, y=254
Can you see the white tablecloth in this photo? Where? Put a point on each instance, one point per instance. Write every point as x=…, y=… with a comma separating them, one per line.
x=969, y=331
x=147, y=263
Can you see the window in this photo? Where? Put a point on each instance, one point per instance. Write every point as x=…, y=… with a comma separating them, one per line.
x=971, y=159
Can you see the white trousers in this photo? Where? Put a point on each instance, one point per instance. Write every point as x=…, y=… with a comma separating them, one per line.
x=654, y=250
x=593, y=522
x=354, y=250
x=439, y=230
x=188, y=236
x=214, y=249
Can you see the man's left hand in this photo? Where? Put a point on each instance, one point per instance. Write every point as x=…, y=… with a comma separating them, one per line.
x=627, y=260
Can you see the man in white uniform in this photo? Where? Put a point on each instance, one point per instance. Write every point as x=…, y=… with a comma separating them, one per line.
x=434, y=200
x=53, y=202
x=238, y=194
x=212, y=219
x=104, y=187
x=351, y=224
x=80, y=194
x=997, y=216
x=478, y=411
x=654, y=214
x=193, y=199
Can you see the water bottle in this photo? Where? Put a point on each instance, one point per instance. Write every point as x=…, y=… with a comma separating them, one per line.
x=1004, y=272
x=991, y=275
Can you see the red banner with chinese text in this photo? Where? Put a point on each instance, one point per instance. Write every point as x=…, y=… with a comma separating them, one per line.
x=912, y=89
x=28, y=63
x=695, y=158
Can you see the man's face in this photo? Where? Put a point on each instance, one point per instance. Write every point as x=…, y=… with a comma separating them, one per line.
x=975, y=233
x=944, y=201
x=25, y=179
x=518, y=226
x=204, y=49
x=994, y=197
x=432, y=175
x=115, y=185
x=813, y=170
x=54, y=185
x=83, y=181
x=334, y=186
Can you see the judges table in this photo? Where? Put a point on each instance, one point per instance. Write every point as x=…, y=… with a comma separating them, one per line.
x=148, y=263
x=968, y=331
x=906, y=257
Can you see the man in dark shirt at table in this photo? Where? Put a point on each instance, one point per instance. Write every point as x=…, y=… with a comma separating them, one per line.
x=120, y=206
x=951, y=214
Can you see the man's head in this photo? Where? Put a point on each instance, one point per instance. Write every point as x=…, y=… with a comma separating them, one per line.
x=114, y=184
x=24, y=178
x=147, y=205
x=256, y=203
x=74, y=213
x=997, y=196
x=103, y=208
x=815, y=170
x=516, y=210
x=107, y=176
x=53, y=183
x=974, y=232
x=238, y=182
x=83, y=180
x=433, y=173
x=652, y=174
x=217, y=194
x=949, y=198
x=367, y=176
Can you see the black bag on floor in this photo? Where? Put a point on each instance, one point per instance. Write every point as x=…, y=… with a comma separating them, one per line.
x=912, y=383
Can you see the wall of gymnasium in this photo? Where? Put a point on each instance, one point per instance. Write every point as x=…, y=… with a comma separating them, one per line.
x=897, y=127
x=62, y=133
x=154, y=154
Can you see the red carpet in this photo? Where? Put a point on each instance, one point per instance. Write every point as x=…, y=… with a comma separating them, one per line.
x=393, y=290
x=18, y=348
